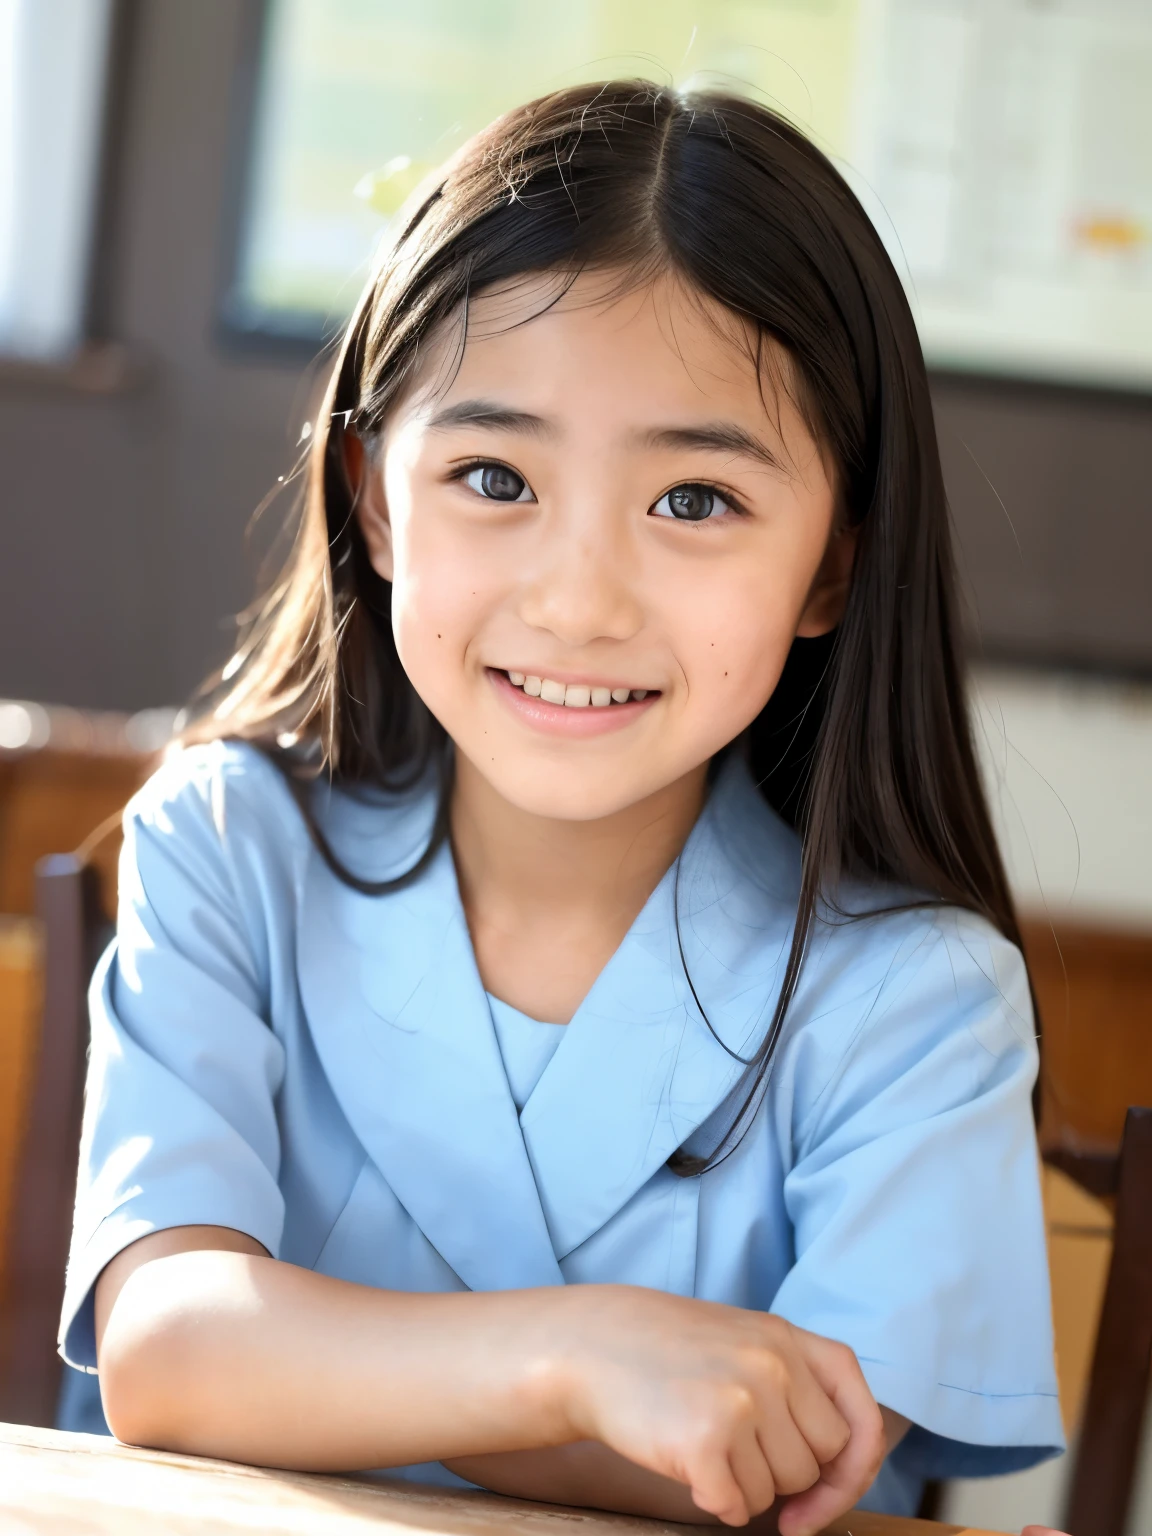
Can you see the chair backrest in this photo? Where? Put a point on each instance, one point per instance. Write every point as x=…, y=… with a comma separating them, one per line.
x=74, y=927
x=1105, y=1470
x=1094, y=989
x=65, y=775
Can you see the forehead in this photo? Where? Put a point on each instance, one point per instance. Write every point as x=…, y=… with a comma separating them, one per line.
x=623, y=349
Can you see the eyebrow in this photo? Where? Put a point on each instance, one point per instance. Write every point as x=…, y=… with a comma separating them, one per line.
x=489, y=413
x=715, y=437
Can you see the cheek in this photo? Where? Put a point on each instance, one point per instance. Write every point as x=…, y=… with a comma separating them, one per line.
x=428, y=608
x=441, y=595
x=734, y=639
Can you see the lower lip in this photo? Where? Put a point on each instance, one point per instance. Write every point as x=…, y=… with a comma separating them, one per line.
x=562, y=719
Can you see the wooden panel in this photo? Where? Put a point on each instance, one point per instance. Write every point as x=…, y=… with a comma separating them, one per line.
x=1079, y=1252
x=72, y=772
x=53, y=1483
x=20, y=993
x=1094, y=990
x=50, y=802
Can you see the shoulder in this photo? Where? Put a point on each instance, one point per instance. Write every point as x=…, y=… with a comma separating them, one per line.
x=226, y=801
x=215, y=791
x=934, y=998
x=957, y=955
x=214, y=828
x=883, y=934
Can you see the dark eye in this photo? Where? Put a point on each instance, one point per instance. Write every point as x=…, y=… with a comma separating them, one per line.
x=497, y=482
x=690, y=503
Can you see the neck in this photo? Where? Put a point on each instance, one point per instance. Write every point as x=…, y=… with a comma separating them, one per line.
x=548, y=901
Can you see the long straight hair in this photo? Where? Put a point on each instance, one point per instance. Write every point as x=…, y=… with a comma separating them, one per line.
x=866, y=744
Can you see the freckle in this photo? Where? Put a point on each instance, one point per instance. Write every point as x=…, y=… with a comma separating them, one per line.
x=725, y=674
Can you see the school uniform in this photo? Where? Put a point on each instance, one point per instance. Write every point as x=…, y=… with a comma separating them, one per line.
x=275, y=1052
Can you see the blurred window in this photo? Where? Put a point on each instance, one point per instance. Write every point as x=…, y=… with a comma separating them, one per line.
x=53, y=57
x=1002, y=146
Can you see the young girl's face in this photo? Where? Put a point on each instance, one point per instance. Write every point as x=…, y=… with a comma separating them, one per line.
x=602, y=537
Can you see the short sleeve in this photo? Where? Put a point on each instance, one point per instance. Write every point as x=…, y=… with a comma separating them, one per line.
x=179, y=1119
x=915, y=1201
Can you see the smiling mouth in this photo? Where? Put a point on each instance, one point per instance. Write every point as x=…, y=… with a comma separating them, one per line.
x=575, y=695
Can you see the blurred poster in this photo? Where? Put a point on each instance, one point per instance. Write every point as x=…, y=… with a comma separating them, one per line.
x=1003, y=147
x=1009, y=146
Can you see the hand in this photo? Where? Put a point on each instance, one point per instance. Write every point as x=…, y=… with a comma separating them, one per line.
x=740, y=1406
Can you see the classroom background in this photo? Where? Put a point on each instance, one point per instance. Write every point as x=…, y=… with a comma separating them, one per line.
x=190, y=195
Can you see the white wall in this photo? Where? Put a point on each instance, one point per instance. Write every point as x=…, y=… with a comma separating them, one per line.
x=1037, y=1497
x=1068, y=762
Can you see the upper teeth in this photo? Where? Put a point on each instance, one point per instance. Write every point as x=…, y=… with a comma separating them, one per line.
x=574, y=695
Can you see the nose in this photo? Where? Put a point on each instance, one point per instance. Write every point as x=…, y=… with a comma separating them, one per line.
x=584, y=587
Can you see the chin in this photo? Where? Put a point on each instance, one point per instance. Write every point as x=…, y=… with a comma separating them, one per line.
x=573, y=793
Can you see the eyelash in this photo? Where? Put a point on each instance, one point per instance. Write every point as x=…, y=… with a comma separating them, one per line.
x=460, y=472
x=731, y=501
x=463, y=470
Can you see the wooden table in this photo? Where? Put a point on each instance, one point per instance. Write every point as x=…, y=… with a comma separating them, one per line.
x=86, y=1485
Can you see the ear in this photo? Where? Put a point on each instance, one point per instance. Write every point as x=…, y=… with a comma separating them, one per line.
x=368, y=504
x=828, y=593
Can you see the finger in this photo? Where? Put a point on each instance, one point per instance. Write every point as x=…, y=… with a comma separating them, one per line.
x=751, y=1469
x=806, y=1513
x=837, y=1370
x=788, y=1454
x=817, y=1418
x=848, y=1475
x=714, y=1488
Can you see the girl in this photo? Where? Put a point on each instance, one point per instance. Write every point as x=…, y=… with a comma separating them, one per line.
x=566, y=1031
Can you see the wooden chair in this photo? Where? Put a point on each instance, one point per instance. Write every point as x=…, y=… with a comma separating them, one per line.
x=75, y=927
x=1094, y=990
x=64, y=776
x=1104, y=1472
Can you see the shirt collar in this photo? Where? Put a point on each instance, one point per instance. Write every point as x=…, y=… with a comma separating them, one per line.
x=402, y=1026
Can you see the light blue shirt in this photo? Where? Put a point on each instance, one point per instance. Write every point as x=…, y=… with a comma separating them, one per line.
x=526, y=1047
x=275, y=1052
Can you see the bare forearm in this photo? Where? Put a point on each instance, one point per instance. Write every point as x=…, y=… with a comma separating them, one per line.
x=583, y=1473
x=248, y=1358
x=603, y=1395
x=587, y=1473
